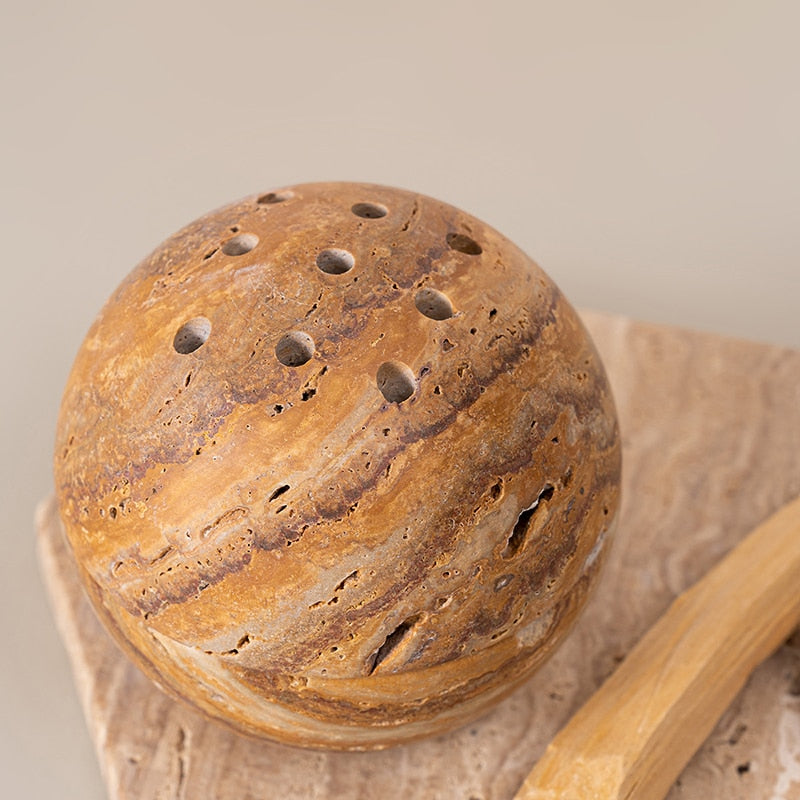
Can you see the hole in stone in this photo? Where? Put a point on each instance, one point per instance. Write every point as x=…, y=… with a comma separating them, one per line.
x=335, y=261
x=370, y=210
x=275, y=197
x=396, y=381
x=464, y=244
x=523, y=524
x=433, y=303
x=294, y=348
x=391, y=642
x=239, y=245
x=278, y=492
x=503, y=581
x=191, y=335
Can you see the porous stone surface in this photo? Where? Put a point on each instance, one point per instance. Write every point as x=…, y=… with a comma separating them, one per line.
x=338, y=465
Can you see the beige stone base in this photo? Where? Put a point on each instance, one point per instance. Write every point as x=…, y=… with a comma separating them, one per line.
x=711, y=441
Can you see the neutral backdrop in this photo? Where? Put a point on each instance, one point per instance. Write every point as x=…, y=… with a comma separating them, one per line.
x=645, y=153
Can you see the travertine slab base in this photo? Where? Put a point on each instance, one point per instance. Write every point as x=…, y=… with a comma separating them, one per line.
x=711, y=436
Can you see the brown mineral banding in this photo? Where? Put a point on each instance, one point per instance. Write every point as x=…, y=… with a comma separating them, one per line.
x=338, y=464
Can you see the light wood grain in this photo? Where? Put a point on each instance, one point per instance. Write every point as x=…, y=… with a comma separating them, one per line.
x=632, y=738
x=711, y=437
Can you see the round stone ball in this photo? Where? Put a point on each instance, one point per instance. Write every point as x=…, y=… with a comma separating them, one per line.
x=338, y=465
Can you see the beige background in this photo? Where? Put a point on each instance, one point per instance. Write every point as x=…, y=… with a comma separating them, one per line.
x=646, y=154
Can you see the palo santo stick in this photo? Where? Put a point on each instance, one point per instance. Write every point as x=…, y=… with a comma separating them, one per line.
x=636, y=733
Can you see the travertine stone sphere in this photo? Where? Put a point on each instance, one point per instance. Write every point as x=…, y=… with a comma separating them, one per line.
x=338, y=464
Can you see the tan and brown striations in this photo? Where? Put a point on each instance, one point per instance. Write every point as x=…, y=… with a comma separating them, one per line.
x=338, y=465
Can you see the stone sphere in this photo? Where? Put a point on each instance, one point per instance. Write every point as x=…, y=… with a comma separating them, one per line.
x=338, y=465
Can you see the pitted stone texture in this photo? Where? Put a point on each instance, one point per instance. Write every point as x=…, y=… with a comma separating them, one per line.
x=336, y=476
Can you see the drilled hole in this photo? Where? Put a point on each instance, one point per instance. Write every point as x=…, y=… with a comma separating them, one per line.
x=464, y=244
x=191, y=335
x=335, y=262
x=239, y=245
x=433, y=303
x=396, y=381
x=370, y=210
x=275, y=197
x=294, y=348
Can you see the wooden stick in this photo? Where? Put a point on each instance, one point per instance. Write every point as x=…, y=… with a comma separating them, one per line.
x=637, y=732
